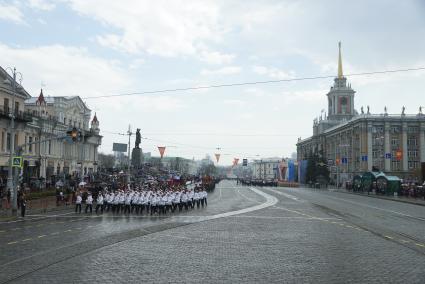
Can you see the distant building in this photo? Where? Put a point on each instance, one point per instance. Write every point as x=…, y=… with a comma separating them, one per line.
x=265, y=169
x=355, y=142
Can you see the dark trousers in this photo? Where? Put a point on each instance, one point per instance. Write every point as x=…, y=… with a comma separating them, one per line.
x=78, y=208
x=87, y=207
x=127, y=208
x=99, y=206
x=23, y=207
x=198, y=202
x=205, y=200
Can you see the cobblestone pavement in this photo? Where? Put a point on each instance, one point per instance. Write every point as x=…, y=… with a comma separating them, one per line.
x=285, y=235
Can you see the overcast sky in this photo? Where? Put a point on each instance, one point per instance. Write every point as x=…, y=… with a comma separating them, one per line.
x=91, y=48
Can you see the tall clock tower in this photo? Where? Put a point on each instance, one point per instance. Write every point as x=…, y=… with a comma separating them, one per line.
x=340, y=96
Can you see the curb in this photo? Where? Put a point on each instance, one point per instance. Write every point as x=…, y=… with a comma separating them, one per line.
x=382, y=197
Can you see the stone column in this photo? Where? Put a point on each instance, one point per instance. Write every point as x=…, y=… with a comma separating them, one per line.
x=369, y=147
x=405, y=165
x=387, y=148
x=422, y=141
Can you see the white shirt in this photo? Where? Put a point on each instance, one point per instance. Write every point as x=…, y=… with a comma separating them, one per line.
x=89, y=199
x=79, y=199
x=100, y=199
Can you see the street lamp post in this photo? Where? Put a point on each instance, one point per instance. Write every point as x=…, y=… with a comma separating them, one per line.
x=10, y=184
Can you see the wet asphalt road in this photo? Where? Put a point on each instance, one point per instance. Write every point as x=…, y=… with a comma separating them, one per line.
x=244, y=235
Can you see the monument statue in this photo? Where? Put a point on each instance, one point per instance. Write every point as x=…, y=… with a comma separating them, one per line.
x=362, y=110
x=137, y=153
x=368, y=110
x=402, y=110
x=138, y=138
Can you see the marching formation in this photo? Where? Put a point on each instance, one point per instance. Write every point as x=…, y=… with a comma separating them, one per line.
x=148, y=198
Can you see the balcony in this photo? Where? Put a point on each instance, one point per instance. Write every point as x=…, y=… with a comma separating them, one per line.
x=20, y=116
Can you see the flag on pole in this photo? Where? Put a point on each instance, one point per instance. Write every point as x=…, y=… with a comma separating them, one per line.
x=217, y=157
x=235, y=161
x=161, y=150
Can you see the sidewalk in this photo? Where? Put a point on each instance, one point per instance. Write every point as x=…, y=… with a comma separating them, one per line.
x=416, y=201
x=36, y=206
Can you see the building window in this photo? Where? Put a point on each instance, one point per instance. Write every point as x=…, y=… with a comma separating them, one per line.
x=395, y=129
x=394, y=141
x=412, y=142
x=30, y=145
x=412, y=154
x=413, y=129
x=50, y=147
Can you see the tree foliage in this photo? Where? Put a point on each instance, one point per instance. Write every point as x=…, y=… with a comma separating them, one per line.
x=316, y=167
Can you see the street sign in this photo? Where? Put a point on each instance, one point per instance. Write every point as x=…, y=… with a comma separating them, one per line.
x=387, y=155
x=330, y=162
x=245, y=162
x=17, y=162
x=344, y=160
x=364, y=158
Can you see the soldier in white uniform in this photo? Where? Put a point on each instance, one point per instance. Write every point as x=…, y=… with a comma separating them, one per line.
x=89, y=203
x=78, y=201
x=99, y=203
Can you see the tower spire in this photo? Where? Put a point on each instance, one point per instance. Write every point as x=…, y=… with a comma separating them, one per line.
x=340, y=75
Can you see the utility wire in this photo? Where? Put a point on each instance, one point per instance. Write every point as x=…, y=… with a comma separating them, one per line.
x=252, y=83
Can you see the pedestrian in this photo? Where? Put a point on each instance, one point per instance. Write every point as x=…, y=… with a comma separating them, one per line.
x=8, y=196
x=89, y=203
x=78, y=201
x=23, y=204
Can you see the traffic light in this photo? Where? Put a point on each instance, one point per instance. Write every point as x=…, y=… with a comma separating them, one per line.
x=74, y=134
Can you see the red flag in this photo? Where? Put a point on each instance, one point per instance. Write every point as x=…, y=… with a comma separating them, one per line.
x=235, y=161
x=217, y=157
x=161, y=150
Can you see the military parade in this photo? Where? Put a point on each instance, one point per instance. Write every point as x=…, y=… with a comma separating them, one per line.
x=158, y=199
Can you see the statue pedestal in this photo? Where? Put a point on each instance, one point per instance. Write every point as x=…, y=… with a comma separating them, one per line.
x=136, y=157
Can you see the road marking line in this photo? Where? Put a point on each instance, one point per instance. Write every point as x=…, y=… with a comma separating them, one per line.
x=11, y=243
x=420, y=245
x=2, y=231
x=389, y=237
x=41, y=236
x=55, y=233
x=15, y=229
x=67, y=231
x=39, y=225
x=79, y=228
x=405, y=241
x=348, y=226
x=26, y=240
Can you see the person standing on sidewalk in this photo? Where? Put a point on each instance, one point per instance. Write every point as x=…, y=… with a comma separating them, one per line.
x=23, y=204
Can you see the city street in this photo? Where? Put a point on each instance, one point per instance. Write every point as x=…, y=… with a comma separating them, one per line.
x=246, y=234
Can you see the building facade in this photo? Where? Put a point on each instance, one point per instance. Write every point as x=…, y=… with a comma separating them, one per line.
x=355, y=142
x=52, y=118
x=41, y=126
x=265, y=169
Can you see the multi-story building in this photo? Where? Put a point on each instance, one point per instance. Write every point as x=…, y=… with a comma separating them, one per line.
x=41, y=123
x=265, y=169
x=52, y=117
x=7, y=98
x=355, y=142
